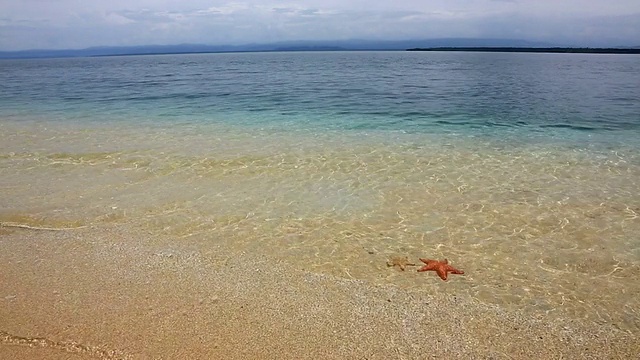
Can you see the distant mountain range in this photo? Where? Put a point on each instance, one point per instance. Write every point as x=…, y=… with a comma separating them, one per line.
x=339, y=45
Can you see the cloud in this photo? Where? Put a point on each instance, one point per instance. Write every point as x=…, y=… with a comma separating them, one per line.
x=117, y=19
x=68, y=23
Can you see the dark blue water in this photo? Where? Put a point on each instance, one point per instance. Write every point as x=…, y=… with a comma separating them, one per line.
x=483, y=93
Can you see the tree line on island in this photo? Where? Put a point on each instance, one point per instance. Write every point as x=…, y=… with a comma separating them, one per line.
x=535, y=50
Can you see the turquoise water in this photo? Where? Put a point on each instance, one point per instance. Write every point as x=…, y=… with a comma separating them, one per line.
x=522, y=169
x=411, y=92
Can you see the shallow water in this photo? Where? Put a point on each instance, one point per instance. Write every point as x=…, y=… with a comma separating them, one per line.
x=545, y=221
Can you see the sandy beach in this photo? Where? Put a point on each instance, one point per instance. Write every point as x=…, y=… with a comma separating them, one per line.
x=117, y=293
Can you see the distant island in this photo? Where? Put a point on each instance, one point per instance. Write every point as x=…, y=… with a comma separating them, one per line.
x=445, y=44
x=561, y=50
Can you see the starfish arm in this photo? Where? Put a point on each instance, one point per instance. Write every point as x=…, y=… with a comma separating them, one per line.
x=453, y=270
x=404, y=266
x=427, y=267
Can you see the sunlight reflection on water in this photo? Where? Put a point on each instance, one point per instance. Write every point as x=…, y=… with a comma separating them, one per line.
x=547, y=228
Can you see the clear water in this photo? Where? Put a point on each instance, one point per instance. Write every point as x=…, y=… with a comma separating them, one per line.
x=522, y=169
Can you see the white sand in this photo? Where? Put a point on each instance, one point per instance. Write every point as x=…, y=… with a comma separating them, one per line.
x=109, y=293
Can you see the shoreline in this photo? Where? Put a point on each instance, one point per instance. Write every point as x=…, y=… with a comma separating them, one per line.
x=117, y=293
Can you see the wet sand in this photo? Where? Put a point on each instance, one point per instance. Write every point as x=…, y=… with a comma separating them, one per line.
x=114, y=292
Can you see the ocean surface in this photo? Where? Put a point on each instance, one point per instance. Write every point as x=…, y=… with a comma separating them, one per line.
x=522, y=169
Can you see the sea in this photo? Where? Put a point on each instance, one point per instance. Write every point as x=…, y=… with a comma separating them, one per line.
x=523, y=170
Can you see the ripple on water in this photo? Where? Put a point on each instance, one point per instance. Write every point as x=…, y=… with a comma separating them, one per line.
x=542, y=229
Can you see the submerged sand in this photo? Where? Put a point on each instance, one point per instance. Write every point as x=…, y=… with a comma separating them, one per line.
x=112, y=293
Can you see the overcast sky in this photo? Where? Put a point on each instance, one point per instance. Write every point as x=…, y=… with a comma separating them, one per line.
x=58, y=24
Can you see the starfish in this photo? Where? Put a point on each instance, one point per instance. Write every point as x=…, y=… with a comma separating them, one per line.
x=441, y=267
x=400, y=261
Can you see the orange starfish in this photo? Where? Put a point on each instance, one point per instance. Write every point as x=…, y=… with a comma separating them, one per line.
x=441, y=267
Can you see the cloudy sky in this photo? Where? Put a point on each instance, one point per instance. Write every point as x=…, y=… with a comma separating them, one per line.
x=58, y=24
